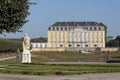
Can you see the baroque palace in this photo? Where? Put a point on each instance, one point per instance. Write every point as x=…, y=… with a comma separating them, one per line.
x=76, y=35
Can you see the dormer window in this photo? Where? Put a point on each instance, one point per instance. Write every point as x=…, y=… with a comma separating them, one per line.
x=53, y=28
x=95, y=28
x=90, y=28
x=61, y=28
x=65, y=28
x=57, y=28
x=99, y=28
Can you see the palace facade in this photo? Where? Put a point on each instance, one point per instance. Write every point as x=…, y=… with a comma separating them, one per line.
x=76, y=35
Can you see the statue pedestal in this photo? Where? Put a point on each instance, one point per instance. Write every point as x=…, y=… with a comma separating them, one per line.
x=26, y=57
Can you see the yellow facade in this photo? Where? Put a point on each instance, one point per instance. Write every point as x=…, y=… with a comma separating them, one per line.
x=99, y=37
x=58, y=38
x=61, y=38
x=72, y=34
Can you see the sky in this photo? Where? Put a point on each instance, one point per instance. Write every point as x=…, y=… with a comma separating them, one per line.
x=47, y=12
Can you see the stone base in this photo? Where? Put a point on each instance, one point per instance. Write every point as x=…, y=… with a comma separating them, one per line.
x=26, y=57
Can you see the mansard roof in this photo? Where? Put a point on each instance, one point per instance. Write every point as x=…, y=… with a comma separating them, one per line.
x=77, y=24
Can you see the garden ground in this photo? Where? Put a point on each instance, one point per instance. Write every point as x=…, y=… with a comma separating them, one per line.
x=98, y=76
x=44, y=64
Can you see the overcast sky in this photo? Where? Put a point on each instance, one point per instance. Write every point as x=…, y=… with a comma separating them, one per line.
x=47, y=12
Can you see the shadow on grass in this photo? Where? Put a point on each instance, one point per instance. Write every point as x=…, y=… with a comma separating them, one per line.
x=113, y=61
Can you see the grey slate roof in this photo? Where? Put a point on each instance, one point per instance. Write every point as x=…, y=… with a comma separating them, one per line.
x=77, y=24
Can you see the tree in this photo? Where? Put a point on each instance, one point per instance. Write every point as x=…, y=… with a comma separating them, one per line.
x=13, y=15
x=114, y=43
x=40, y=39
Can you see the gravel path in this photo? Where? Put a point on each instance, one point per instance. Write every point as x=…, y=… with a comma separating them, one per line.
x=101, y=76
x=2, y=59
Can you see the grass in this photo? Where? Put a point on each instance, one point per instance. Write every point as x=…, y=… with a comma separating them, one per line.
x=72, y=57
x=38, y=67
x=57, y=69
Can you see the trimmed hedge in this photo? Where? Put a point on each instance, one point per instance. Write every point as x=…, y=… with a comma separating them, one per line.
x=7, y=45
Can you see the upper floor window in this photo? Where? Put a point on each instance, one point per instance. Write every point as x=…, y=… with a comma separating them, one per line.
x=51, y=34
x=101, y=33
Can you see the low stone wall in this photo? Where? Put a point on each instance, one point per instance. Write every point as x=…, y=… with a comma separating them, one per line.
x=48, y=49
x=80, y=49
x=63, y=49
x=109, y=49
x=75, y=49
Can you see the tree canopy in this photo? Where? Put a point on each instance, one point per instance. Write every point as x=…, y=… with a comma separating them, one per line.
x=40, y=39
x=13, y=15
x=114, y=43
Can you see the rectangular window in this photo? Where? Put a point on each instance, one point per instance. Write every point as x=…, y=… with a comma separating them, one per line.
x=101, y=39
x=101, y=33
x=50, y=33
x=83, y=39
x=50, y=45
x=51, y=39
x=93, y=34
x=97, y=39
x=93, y=39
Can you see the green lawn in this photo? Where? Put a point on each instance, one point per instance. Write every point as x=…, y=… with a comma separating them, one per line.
x=56, y=69
x=38, y=67
x=73, y=57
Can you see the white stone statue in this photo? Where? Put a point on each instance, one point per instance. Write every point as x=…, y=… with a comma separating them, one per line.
x=26, y=55
x=26, y=43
